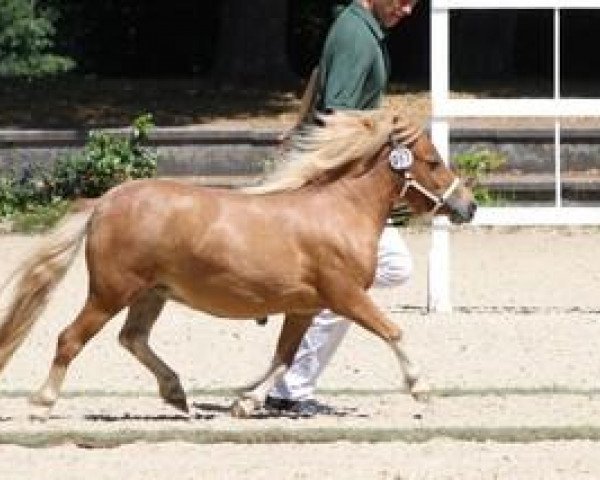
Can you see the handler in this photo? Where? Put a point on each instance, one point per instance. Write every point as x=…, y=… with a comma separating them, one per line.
x=353, y=74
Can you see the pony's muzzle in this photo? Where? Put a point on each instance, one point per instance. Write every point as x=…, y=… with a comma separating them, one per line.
x=461, y=210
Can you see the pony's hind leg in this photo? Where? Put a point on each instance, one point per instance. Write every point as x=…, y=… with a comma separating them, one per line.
x=70, y=342
x=134, y=337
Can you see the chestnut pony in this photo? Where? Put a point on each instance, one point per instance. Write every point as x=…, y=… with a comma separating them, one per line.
x=303, y=241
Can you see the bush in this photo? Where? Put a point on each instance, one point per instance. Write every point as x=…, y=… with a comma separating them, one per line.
x=106, y=160
x=20, y=193
x=473, y=166
x=36, y=199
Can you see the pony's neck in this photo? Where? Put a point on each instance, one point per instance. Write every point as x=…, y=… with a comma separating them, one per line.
x=375, y=191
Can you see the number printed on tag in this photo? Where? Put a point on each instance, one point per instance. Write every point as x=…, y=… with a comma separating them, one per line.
x=401, y=158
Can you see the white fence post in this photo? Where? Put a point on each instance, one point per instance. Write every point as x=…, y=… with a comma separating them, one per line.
x=557, y=152
x=438, y=271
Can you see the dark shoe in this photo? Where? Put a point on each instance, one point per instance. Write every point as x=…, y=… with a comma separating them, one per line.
x=297, y=408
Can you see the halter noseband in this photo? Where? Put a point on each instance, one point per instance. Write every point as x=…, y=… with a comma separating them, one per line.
x=438, y=200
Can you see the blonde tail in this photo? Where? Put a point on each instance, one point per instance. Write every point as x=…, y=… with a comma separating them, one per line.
x=39, y=275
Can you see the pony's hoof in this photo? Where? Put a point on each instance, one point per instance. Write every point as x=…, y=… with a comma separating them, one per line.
x=39, y=413
x=40, y=407
x=420, y=391
x=243, y=407
x=173, y=394
x=179, y=403
x=39, y=399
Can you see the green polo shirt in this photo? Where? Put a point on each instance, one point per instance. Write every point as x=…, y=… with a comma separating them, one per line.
x=354, y=66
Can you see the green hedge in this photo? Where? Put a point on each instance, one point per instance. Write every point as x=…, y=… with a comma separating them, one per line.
x=106, y=160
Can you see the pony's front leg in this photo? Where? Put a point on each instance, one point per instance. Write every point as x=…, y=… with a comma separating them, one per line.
x=355, y=304
x=253, y=395
x=293, y=329
x=417, y=387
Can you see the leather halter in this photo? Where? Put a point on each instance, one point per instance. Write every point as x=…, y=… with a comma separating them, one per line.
x=409, y=181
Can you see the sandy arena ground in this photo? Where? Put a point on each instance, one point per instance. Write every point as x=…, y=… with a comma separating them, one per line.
x=515, y=375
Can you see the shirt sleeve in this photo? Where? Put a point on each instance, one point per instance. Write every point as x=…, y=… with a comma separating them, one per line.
x=347, y=72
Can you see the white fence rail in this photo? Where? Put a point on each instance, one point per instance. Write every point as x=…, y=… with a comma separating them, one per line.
x=444, y=108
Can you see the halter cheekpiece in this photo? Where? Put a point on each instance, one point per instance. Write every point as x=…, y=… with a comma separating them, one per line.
x=401, y=159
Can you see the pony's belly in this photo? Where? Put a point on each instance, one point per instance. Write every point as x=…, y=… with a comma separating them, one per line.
x=232, y=304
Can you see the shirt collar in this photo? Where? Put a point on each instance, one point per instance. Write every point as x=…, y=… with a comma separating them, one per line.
x=367, y=17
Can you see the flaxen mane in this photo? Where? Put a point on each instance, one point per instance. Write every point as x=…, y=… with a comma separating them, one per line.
x=344, y=137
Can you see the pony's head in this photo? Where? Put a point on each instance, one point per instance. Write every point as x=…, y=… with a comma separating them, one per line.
x=348, y=143
x=426, y=183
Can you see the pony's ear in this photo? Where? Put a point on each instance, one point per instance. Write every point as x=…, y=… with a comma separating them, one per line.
x=319, y=121
x=368, y=123
x=400, y=122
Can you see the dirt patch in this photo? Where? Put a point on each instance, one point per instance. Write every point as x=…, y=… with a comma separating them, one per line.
x=91, y=103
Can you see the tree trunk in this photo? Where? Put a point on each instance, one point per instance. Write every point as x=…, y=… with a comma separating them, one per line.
x=252, y=44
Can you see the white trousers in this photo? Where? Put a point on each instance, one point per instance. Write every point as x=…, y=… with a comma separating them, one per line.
x=394, y=267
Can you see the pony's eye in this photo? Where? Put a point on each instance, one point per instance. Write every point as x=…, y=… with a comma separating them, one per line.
x=433, y=162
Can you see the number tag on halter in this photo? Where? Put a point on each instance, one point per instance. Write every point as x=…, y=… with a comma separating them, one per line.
x=401, y=158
